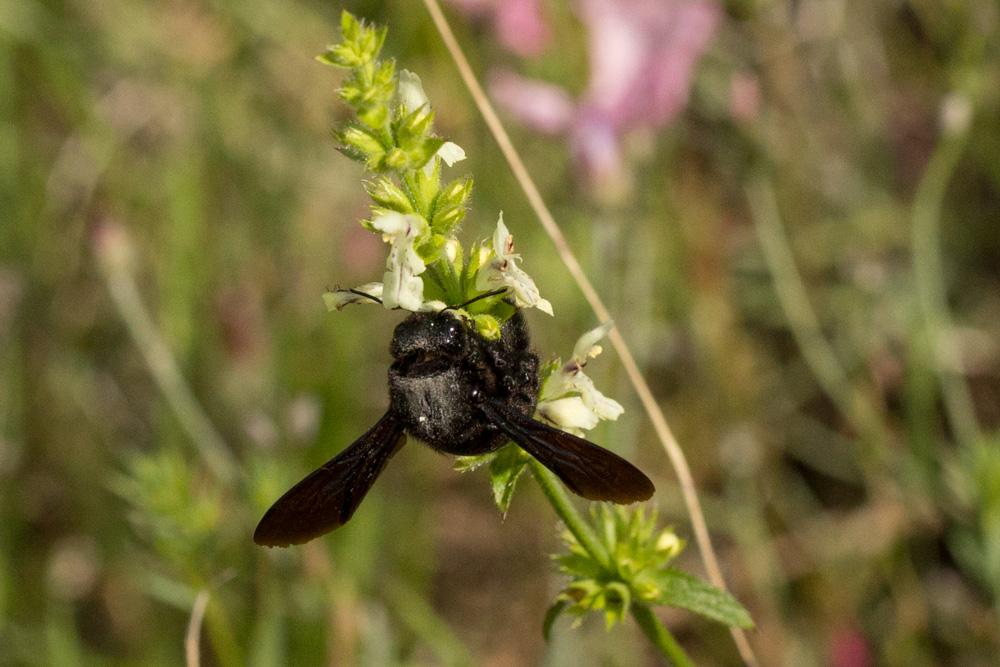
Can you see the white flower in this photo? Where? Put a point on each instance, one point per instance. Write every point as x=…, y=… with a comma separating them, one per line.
x=569, y=398
x=450, y=152
x=410, y=94
x=501, y=270
x=403, y=288
x=338, y=298
x=569, y=413
x=432, y=306
x=598, y=403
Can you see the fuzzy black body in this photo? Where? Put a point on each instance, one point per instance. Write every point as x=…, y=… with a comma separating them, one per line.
x=461, y=394
x=443, y=369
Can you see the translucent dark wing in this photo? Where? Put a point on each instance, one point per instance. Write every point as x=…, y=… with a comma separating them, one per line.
x=588, y=470
x=327, y=498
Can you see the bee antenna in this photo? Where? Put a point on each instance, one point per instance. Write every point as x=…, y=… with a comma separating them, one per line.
x=479, y=297
x=364, y=294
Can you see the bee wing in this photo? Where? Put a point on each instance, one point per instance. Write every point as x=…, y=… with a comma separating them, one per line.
x=588, y=470
x=328, y=496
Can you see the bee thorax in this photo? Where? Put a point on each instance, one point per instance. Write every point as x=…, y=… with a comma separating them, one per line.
x=443, y=371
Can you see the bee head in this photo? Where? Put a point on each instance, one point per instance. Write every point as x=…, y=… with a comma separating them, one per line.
x=423, y=336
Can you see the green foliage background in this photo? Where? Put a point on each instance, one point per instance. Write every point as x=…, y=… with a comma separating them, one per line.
x=852, y=506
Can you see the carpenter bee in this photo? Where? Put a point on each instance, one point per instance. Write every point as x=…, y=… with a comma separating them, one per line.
x=460, y=394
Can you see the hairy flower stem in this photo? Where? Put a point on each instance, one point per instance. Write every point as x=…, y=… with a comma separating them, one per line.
x=648, y=622
x=553, y=490
x=854, y=404
x=165, y=370
x=658, y=634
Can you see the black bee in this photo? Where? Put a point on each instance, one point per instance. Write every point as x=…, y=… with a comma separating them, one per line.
x=461, y=394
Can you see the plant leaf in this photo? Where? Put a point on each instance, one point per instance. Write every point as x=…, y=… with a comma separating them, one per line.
x=469, y=463
x=504, y=471
x=680, y=589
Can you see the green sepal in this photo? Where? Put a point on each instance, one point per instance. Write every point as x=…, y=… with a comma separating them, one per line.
x=580, y=564
x=333, y=57
x=450, y=205
x=456, y=193
x=369, y=90
x=388, y=195
x=478, y=253
x=423, y=188
x=360, y=143
x=413, y=159
x=412, y=128
x=455, y=261
x=376, y=115
x=420, y=155
x=360, y=43
x=430, y=250
x=585, y=595
x=619, y=600
x=448, y=266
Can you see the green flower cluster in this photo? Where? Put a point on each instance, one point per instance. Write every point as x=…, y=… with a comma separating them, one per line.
x=412, y=209
x=636, y=572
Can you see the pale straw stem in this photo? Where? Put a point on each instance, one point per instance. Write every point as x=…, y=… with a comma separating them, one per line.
x=663, y=432
x=192, y=640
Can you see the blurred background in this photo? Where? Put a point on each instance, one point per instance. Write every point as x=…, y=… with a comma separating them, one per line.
x=792, y=208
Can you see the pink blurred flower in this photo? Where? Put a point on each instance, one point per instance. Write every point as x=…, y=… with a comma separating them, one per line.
x=849, y=648
x=642, y=59
x=519, y=24
x=642, y=55
x=541, y=106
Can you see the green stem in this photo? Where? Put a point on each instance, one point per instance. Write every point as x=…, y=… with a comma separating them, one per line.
x=227, y=648
x=804, y=325
x=928, y=275
x=553, y=490
x=412, y=610
x=167, y=375
x=660, y=637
